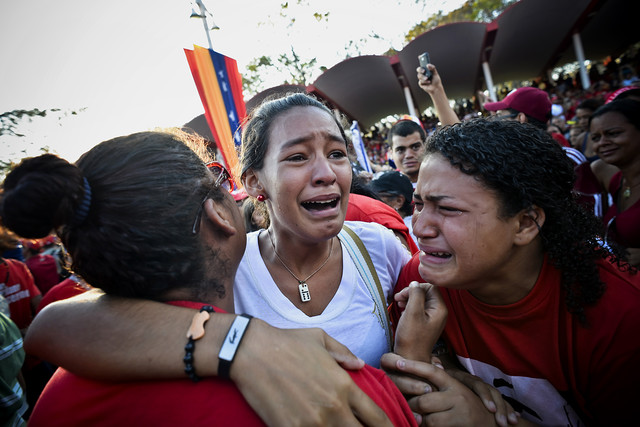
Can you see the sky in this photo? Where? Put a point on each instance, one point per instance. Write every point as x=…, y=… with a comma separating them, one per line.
x=120, y=63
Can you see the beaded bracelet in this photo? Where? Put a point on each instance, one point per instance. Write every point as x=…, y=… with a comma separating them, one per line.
x=195, y=332
x=231, y=343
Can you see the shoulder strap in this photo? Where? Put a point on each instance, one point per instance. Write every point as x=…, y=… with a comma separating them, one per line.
x=363, y=263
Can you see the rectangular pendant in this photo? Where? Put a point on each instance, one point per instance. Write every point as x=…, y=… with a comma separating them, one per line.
x=304, y=292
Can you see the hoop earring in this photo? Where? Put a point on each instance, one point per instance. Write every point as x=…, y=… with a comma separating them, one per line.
x=261, y=197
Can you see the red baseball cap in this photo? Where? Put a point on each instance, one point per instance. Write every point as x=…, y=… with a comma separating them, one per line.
x=531, y=101
x=617, y=93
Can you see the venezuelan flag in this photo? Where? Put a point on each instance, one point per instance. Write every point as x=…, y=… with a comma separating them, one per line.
x=220, y=88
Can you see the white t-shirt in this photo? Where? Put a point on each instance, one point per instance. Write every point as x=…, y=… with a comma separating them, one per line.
x=349, y=317
x=409, y=224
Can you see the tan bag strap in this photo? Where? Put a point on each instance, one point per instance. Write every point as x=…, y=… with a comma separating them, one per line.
x=363, y=263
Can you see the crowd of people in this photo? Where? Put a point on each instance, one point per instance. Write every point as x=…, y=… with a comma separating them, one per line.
x=566, y=94
x=488, y=278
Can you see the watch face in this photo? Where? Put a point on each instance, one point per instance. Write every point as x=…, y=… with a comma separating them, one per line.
x=233, y=338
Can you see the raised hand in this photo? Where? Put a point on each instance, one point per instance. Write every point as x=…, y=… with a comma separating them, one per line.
x=422, y=321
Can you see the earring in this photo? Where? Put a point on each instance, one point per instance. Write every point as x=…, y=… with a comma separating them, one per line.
x=261, y=197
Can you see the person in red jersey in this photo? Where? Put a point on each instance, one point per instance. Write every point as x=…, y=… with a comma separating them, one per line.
x=537, y=306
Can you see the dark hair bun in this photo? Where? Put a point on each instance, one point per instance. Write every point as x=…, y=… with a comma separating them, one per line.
x=40, y=194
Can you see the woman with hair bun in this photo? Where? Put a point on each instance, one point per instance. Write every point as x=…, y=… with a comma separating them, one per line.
x=142, y=216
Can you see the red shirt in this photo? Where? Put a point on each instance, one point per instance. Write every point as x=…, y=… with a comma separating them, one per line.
x=560, y=139
x=68, y=288
x=622, y=227
x=19, y=289
x=44, y=270
x=69, y=400
x=536, y=353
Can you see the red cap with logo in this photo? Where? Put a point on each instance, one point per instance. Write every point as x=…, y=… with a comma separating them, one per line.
x=531, y=101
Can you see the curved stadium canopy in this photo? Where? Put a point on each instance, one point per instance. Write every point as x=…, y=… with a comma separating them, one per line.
x=524, y=42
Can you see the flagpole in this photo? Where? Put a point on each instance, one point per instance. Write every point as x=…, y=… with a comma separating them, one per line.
x=203, y=16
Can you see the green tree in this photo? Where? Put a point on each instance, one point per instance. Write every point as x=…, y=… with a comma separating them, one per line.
x=293, y=68
x=472, y=10
x=13, y=141
x=298, y=69
x=10, y=120
x=252, y=78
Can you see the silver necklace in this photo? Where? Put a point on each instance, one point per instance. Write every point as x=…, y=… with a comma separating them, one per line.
x=303, y=288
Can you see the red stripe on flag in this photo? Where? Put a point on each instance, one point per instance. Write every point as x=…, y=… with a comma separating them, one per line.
x=196, y=77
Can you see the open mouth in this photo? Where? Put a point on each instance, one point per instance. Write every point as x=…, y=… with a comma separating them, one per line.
x=443, y=255
x=321, y=205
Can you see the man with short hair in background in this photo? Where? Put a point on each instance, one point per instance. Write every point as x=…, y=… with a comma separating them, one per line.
x=407, y=139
